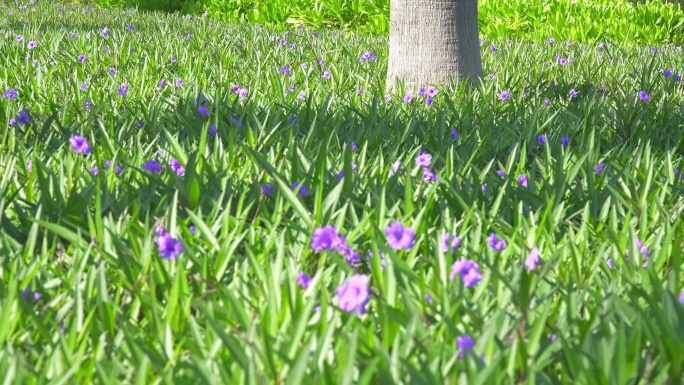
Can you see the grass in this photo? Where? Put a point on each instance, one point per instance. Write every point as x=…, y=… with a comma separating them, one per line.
x=228, y=309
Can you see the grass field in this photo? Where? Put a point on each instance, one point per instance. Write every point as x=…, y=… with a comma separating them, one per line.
x=529, y=231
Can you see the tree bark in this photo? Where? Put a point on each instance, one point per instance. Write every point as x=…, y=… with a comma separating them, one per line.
x=432, y=42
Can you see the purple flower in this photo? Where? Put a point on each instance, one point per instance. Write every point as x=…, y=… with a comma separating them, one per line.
x=565, y=141
x=428, y=175
x=94, y=170
x=573, y=93
x=681, y=297
x=424, y=159
x=36, y=296
x=428, y=298
x=268, y=189
x=285, y=70
x=301, y=95
x=360, y=91
x=152, y=166
x=303, y=280
x=678, y=78
x=212, y=131
x=501, y=173
x=496, y=243
x=541, y=139
x=20, y=38
x=563, y=61
x=368, y=56
x=303, y=190
x=11, y=94
x=454, y=133
x=532, y=259
x=522, y=180
x=84, y=86
x=129, y=27
x=492, y=48
x=505, y=96
x=203, y=111
x=23, y=118
x=432, y=91
x=450, y=242
x=349, y=254
x=25, y=293
x=399, y=237
x=644, y=96
x=325, y=238
x=32, y=44
x=666, y=73
x=79, y=144
x=468, y=270
x=176, y=167
x=29, y=165
x=465, y=345
x=179, y=82
x=599, y=168
x=609, y=263
x=105, y=32
x=123, y=89
x=168, y=247
x=428, y=101
x=421, y=91
x=547, y=101
x=394, y=168
x=327, y=75
x=353, y=294
x=408, y=97
x=117, y=169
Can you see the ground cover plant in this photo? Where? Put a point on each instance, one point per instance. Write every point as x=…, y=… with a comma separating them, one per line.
x=191, y=201
x=651, y=21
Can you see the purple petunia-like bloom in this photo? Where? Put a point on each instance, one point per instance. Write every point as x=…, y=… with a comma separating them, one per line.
x=394, y=168
x=643, y=96
x=32, y=44
x=123, y=89
x=424, y=159
x=285, y=70
x=80, y=144
x=176, y=167
x=428, y=175
x=496, y=243
x=501, y=173
x=117, y=169
x=468, y=270
x=599, y=168
x=465, y=345
x=152, y=166
x=203, y=111
x=505, y=96
x=399, y=237
x=10, y=93
x=573, y=93
x=20, y=38
x=454, y=133
x=353, y=294
x=432, y=91
x=450, y=242
x=268, y=189
x=23, y=118
x=681, y=297
x=408, y=97
x=522, y=180
x=105, y=32
x=565, y=141
x=367, y=56
x=532, y=259
x=169, y=248
x=325, y=238
x=327, y=75
x=541, y=139
x=180, y=83
x=303, y=280
x=303, y=190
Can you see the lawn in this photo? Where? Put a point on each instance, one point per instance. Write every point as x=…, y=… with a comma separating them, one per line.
x=191, y=201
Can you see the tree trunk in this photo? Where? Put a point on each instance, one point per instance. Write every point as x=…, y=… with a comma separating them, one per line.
x=433, y=41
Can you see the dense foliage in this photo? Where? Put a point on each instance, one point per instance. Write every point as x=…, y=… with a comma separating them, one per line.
x=151, y=230
x=651, y=21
